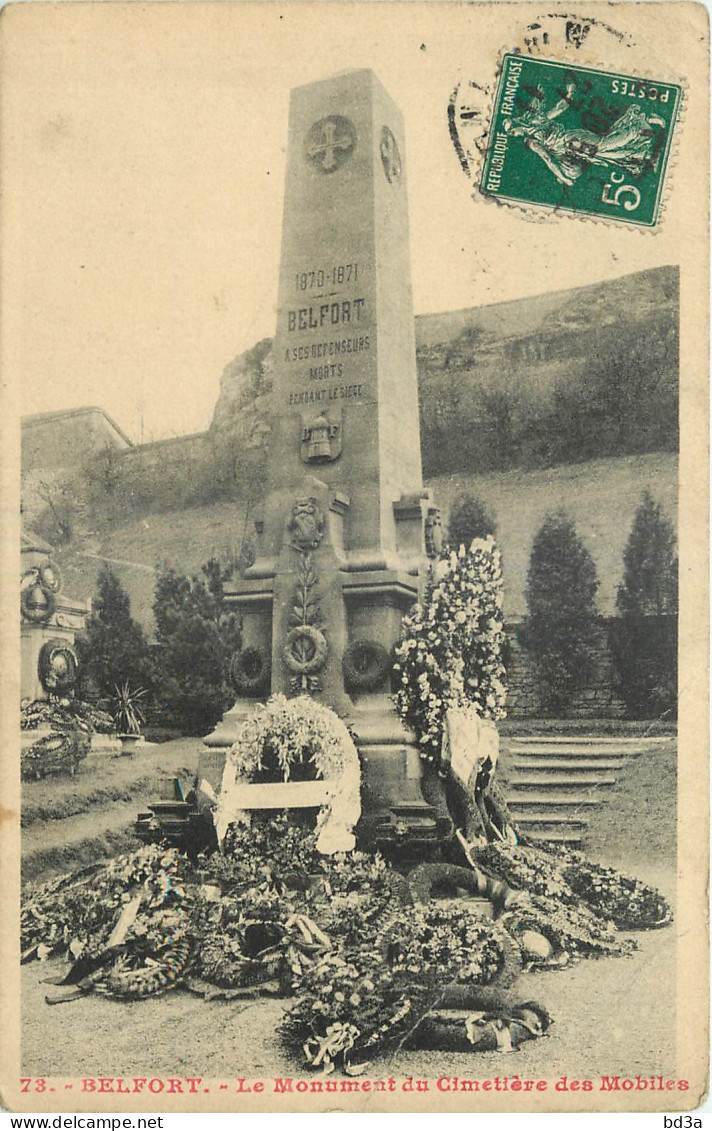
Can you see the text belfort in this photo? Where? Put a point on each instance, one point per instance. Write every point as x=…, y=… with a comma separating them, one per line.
x=346, y=312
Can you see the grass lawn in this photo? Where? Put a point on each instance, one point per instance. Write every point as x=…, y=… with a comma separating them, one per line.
x=69, y=822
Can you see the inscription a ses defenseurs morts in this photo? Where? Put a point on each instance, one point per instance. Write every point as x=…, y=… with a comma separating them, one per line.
x=341, y=314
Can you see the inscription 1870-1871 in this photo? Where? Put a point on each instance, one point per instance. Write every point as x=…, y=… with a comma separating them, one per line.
x=324, y=288
x=335, y=276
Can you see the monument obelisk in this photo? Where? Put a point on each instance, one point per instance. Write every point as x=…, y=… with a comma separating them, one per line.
x=346, y=527
x=345, y=341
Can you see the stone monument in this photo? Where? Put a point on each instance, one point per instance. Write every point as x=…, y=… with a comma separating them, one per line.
x=347, y=527
x=49, y=623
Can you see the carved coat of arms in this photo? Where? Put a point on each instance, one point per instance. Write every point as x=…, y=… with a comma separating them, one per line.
x=306, y=526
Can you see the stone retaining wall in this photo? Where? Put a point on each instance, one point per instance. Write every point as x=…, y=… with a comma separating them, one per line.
x=526, y=698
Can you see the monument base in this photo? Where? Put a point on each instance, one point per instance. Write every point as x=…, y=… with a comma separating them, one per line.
x=404, y=811
x=106, y=746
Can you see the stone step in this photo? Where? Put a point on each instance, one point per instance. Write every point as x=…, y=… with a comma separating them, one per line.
x=556, y=819
x=556, y=752
x=576, y=765
x=572, y=781
x=640, y=741
x=555, y=783
x=567, y=760
x=571, y=837
x=526, y=821
x=531, y=798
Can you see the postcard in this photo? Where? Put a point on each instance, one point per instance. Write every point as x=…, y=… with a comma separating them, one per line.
x=355, y=467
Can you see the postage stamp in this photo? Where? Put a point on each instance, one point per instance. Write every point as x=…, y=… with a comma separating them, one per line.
x=580, y=140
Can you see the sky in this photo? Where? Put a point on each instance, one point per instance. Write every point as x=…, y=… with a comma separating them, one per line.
x=145, y=166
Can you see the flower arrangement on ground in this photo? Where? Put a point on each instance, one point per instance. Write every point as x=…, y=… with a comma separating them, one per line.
x=576, y=903
x=291, y=740
x=77, y=913
x=372, y=962
x=71, y=725
x=450, y=653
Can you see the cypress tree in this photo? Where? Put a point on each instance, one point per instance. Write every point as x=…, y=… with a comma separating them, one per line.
x=113, y=649
x=644, y=639
x=649, y=586
x=470, y=518
x=561, y=595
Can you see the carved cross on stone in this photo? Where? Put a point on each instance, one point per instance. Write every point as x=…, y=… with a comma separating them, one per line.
x=330, y=142
x=390, y=156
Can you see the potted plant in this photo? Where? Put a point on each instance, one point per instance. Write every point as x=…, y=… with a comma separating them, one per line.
x=129, y=716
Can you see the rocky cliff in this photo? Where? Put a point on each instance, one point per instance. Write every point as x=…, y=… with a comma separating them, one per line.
x=558, y=378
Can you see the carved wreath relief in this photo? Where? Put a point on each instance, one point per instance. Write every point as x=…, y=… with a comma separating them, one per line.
x=57, y=667
x=305, y=649
x=39, y=587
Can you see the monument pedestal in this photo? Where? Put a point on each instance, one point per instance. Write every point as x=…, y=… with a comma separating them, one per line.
x=301, y=612
x=404, y=813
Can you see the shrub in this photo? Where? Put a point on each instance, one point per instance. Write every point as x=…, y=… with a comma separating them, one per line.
x=450, y=650
x=197, y=637
x=644, y=651
x=113, y=649
x=649, y=586
x=469, y=518
x=644, y=639
x=562, y=622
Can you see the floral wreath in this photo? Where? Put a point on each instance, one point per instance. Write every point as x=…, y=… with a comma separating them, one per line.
x=250, y=671
x=298, y=733
x=366, y=664
x=57, y=665
x=450, y=652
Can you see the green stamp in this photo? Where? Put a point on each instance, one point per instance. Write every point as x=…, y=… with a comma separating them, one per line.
x=580, y=140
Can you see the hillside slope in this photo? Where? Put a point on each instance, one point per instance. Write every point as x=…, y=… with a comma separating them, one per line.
x=600, y=495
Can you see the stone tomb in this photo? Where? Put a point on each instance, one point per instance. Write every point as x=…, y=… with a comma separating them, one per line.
x=347, y=527
x=49, y=623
